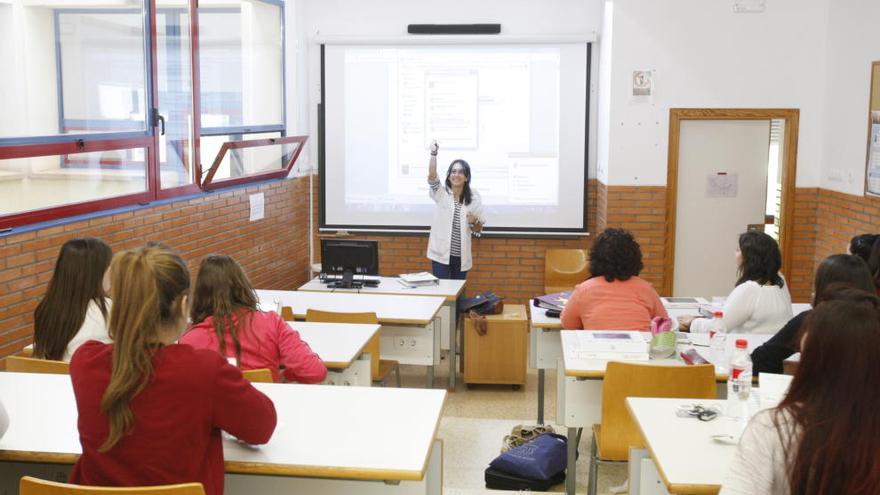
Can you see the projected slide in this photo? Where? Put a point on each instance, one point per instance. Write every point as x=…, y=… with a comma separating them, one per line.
x=497, y=107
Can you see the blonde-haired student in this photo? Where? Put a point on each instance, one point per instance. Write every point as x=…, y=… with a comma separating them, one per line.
x=226, y=319
x=151, y=411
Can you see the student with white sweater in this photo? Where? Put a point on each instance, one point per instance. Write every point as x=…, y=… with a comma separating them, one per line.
x=760, y=302
x=825, y=435
x=75, y=308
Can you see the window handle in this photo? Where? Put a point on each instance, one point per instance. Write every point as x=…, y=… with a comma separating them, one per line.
x=159, y=120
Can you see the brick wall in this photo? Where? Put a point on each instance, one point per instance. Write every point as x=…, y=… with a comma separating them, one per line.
x=273, y=251
x=642, y=211
x=514, y=268
x=803, y=251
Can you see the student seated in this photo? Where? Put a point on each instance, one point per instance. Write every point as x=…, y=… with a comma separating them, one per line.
x=837, y=269
x=867, y=247
x=75, y=307
x=150, y=411
x=225, y=319
x=825, y=435
x=760, y=302
x=614, y=297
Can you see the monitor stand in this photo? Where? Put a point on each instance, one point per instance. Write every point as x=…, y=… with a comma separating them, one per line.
x=347, y=281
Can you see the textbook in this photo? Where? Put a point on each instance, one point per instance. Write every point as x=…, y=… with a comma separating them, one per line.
x=556, y=300
x=418, y=279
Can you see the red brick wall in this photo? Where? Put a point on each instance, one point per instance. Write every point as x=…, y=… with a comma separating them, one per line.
x=803, y=251
x=642, y=211
x=273, y=251
x=513, y=268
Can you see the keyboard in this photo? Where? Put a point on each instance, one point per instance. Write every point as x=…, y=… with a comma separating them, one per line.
x=371, y=279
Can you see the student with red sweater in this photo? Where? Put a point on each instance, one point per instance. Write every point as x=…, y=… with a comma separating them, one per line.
x=226, y=319
x=150, y=411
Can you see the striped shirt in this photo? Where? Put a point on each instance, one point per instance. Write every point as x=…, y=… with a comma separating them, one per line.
x=455, y=247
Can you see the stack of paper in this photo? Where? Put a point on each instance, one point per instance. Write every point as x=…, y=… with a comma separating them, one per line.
x=418, y=279
x=612, y=345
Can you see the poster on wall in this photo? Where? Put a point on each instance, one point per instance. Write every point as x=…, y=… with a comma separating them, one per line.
x=642, y=90
x=873, y=172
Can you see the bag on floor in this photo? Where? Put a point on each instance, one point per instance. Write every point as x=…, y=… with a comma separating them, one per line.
x=521, y=434
x=499, y=480
x=541, y=459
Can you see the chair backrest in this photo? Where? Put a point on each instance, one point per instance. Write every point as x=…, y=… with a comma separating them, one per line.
x=316, y=315
x=259, y=375
x=565, y=268
x=34, y=486
x=622, y=380
x=373, y=346
x=287, y=313
x=33, y=365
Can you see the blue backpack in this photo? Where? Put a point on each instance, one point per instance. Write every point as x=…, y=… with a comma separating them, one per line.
x=543, y=458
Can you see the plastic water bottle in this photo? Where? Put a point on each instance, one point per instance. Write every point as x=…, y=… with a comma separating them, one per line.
x=718, y=342
x=739, y=383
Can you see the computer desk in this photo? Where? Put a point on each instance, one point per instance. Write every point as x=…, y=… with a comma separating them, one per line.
x=450, y=290
x=341, y=347
x=410, y=324
x=328, y=439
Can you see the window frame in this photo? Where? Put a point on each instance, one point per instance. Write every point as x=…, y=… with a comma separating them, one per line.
x=148, y=139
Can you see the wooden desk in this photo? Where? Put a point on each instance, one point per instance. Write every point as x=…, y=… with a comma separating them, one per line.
x=319, y=445
x=410, y=332
x=341, y=347
x=686, y=457
x=450, y=290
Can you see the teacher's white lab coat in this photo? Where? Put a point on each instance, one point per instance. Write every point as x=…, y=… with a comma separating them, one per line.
x=440, y=240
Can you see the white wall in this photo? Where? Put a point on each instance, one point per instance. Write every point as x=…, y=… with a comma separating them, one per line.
x=383, y=18
x=854, y=42
x=707, y=56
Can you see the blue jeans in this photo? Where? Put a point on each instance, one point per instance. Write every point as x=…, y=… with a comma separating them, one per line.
x=450, y=271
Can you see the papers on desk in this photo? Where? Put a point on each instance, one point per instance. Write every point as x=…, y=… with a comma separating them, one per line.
x=683, y=302
x=419, y=279
x=772, y=388
x=611, y=345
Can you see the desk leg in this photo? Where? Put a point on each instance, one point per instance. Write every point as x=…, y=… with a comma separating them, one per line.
x=541, y=396
x=570, y=471
x=453, y=330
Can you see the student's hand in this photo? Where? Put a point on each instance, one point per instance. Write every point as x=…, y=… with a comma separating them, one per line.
x=684, y=322
x=434, y=147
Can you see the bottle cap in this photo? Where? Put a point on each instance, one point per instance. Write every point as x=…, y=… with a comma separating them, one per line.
x=742, y=343
x=718, y=314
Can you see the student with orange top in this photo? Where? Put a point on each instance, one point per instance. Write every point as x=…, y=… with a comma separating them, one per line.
x=614, y=297
x=226, y=320
x=150, y=411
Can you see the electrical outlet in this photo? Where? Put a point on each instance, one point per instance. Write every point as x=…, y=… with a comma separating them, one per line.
x=412, y=342
x=401, y=342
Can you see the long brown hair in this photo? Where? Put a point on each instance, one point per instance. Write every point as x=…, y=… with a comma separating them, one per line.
x=832, y=442
x=761, y=259
x=75, y=283
x=224, y=291
x=148, y=286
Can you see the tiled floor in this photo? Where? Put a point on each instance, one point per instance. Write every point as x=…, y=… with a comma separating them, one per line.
x=476, y=419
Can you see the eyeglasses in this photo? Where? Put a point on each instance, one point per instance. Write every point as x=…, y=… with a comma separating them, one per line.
x=699, y=411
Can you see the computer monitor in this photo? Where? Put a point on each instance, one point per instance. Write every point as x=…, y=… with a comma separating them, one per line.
x=349, y=258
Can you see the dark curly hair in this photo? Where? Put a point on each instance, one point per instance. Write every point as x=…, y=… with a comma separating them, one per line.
x=761, y=260
x=615, y=255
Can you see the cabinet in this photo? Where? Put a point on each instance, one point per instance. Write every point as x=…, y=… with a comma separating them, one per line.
x=500, y=356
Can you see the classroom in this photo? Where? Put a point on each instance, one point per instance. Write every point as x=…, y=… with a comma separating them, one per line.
x=268, y=130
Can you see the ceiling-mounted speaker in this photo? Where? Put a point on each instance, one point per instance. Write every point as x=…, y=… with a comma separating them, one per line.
x=454, y=29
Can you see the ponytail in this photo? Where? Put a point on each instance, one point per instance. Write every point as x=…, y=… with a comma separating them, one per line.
x=147, y=285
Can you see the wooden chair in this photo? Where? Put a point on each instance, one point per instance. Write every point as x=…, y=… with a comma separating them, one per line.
x=379, y=368
x=565, y=268
x=259, y=375
x=23, y=364
x=287, y=313
x=35, y=486
x=618, y=432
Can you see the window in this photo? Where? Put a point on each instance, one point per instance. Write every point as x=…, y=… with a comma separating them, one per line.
x=101, y=110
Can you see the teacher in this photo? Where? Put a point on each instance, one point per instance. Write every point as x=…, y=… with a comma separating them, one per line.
x=457, y=214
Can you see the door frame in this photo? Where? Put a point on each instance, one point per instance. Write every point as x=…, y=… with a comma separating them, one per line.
x=791, y=117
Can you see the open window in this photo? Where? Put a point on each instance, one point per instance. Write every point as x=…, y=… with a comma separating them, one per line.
x=238, y=162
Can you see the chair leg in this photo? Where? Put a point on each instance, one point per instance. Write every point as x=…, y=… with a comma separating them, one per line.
x=397, y=374
x=593, y=482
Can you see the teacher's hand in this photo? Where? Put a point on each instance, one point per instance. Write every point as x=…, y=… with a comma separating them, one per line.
x=434, y=147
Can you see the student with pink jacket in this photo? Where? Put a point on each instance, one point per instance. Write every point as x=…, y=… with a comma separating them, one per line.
x=225, y=318
x=614, y=297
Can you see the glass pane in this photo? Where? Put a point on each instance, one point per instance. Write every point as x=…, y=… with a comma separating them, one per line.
x=210, y=146
x=243, y=162
x=240, y=57
x=71, y=70
x=28, y=184
x=175, y=93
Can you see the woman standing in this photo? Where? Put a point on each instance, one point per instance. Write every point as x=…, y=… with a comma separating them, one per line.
x=457, y=214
